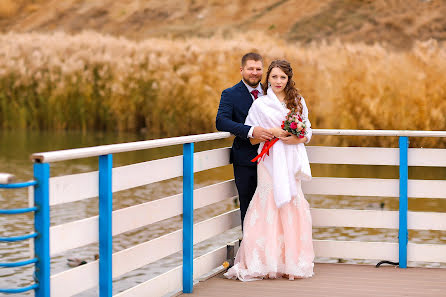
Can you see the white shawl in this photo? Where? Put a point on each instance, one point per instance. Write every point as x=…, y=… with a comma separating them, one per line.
x=285, y=162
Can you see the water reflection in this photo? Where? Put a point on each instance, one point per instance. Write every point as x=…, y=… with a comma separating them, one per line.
x=16, y=148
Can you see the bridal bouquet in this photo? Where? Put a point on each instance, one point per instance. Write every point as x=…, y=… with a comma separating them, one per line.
x=293, y=123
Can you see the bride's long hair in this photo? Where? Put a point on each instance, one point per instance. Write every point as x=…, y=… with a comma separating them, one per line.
x=292, y=95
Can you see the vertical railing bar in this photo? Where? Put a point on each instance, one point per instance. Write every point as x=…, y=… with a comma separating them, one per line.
x=188, y=216
x=403, y=203
x=42, y=227
x=105, y=226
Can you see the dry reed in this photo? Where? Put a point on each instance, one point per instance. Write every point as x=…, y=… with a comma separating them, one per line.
x=8, y=8
x=172, y=87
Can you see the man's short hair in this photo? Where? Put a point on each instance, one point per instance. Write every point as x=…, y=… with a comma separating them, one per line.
x=251, y=56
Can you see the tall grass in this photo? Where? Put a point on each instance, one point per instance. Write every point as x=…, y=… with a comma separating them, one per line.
x=8, y=8
x=172, y=87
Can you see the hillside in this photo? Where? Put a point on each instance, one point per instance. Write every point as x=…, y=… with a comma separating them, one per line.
x=395, y=22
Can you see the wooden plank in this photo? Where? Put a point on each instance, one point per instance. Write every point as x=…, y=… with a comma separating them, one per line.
x=135, y=175
x=426, y=220
x=142, y=254
x=354, y=218
x=375, y=156
x=171, y=281
x=352, y=186
x=71, y=282
x=74, y=187
x=335, y=280
x=153, y=250
x=73, y=234
x=351, y=132
x=215, y=193
x=216, y=225
x=136, y=216
x=353, y=155
x=376, y=219
x=211, y=159
x=356, y=250
x=426, y=252
x=426, y=188
x=427, y=157
x=374, y=187
x=76, y=280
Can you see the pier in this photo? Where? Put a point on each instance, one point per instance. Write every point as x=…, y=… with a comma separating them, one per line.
x=201, y=276
x=335, y=280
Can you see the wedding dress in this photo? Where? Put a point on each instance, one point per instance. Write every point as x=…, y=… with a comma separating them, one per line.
x=277, y=233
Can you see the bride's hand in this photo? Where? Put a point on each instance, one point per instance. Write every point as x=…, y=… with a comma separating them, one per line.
x=293, y=139
x=279, y=132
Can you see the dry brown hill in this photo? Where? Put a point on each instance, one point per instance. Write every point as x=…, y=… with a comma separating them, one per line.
x=396, y=22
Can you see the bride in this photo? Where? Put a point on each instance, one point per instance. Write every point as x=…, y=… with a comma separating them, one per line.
x=277, y=230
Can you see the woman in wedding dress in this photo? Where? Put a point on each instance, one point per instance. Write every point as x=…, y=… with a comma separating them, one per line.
x=277, y=230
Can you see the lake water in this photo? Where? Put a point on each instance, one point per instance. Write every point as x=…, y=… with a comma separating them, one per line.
x=16, y=147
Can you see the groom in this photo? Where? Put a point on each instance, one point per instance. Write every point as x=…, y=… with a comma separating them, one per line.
x=232, y=111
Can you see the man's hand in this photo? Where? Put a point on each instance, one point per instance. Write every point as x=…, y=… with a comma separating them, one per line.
x=262, y=134
x=293, y=139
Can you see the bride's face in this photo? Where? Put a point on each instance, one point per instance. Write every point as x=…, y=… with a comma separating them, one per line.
x=278, y=80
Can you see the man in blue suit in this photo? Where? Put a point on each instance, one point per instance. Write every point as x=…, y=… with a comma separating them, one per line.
x=232, y=111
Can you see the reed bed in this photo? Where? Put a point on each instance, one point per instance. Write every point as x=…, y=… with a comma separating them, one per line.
x=171, y=87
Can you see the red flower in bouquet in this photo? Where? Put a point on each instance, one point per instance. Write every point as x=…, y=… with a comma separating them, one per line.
x=294, y=124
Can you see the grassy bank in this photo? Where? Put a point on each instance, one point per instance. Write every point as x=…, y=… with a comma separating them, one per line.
x=171, y=87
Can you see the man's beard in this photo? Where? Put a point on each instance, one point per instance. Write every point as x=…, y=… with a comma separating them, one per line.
x=252, y=84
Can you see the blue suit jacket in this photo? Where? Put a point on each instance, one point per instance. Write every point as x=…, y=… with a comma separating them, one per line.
x=232, y=111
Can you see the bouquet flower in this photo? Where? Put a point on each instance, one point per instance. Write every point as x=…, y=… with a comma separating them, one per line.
x=294, y=124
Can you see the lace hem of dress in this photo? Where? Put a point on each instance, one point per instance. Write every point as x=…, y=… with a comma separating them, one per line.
x=304, y=270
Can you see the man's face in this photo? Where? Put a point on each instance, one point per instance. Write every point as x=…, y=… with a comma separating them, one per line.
x=252, y=72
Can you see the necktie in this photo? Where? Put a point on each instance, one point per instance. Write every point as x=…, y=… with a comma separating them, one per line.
x=255, y=93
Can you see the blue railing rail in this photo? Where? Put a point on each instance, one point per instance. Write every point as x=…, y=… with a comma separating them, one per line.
x=104, y=154
x=403, y=142
x=6, y=183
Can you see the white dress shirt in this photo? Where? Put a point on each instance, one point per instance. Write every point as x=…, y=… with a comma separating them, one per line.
x=250, y=89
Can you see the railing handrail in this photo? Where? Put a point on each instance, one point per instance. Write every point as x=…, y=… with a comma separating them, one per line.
x=6, y=178
x=407, y=133
x=64, y=155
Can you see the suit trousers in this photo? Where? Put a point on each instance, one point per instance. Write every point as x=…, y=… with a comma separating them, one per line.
x=246, y=182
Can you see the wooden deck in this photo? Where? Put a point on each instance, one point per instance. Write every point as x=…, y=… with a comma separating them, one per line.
x=331, y=280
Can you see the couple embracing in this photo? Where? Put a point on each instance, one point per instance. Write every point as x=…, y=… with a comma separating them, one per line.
x=270, y=124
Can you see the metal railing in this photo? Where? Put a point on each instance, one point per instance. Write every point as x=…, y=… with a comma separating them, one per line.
x=42, y=173
x=6, y=183
x=104, y=154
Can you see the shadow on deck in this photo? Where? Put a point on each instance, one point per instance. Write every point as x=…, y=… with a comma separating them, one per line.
x=335, y=280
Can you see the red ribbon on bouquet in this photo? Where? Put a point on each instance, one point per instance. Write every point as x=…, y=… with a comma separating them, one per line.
x=265, y=150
